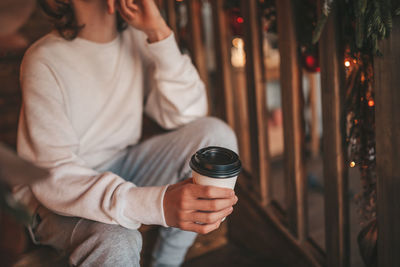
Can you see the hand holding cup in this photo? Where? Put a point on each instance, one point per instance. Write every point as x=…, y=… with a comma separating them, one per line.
x=202, y=203
x=197, y=208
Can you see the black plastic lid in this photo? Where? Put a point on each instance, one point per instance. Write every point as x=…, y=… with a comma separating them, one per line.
x=216, y=162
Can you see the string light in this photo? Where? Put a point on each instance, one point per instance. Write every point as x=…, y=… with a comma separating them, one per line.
x=237, y=42
x=371, y=103
x=352, y=164
x=362, y=77
x=238, y=55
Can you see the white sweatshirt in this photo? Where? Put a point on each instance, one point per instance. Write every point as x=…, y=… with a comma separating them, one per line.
x=83, y=103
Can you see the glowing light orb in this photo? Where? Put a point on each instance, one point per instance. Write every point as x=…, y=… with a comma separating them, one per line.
x=371, y=103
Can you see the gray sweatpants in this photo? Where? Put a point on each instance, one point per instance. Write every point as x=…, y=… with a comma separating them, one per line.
x=160, y=160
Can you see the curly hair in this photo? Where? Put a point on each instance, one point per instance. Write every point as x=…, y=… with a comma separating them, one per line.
x=62, y=14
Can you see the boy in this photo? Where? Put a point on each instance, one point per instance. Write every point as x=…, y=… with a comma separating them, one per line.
x=85, y=87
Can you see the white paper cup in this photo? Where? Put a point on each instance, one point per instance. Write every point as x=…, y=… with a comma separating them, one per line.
x=215, y=166
x=209, y=181
x=204, y=180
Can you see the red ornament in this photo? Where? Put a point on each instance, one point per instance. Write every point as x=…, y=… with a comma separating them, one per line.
x=310, y=62
x=239, y=20
x=235, y=21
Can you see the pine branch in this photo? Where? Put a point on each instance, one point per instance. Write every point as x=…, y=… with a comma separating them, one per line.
x=318, y=29
x=326, y=9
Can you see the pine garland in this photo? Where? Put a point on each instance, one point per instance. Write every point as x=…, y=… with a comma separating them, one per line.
x=360, y=135
x=372, y=19
x=364, y=24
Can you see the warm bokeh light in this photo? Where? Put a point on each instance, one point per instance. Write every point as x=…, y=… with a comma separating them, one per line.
x=237, y=42
x=362, y=77
x=347, y=63
x=239, y=20
x=371, y=103
x=238, y=55
x=352, y=164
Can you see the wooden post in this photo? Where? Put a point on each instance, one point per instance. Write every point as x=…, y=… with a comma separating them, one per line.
x=223, y=95
x=197, y=44
x=159, y=3
x=314, y=124
x=242, y=126
x=256, y=97
x=171, y=15
x=387, y=94
x=293, y=121
x=335, y=167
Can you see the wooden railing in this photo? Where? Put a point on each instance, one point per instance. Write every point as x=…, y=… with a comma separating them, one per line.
x=335, y=167
x=246, y=111
x=387, y=80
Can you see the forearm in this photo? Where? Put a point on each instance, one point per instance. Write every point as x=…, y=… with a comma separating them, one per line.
x=72, y=190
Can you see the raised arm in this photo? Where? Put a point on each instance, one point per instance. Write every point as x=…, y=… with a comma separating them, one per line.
x=175, y=93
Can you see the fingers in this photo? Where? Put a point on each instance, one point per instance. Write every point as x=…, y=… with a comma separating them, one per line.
x=214, y=204
x=131, y=5
x=201, y=191
x=124, y=10
x=209, y=217
x=199, y=228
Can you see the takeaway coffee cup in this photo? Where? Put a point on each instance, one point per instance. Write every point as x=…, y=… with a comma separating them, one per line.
x=216, y=166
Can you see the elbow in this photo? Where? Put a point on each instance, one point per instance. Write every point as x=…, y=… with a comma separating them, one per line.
x=203, y=109
x=203, y=102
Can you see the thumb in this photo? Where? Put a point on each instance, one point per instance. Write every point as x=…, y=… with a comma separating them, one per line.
x=188, y=181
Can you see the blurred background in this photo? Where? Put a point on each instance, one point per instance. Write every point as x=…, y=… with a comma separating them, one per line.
x=303, y=112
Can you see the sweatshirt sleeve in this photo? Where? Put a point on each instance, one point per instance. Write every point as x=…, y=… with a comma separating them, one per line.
x=47, y=138
x=176, y=94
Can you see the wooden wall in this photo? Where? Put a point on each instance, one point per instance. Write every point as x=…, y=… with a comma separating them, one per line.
x=387, y=96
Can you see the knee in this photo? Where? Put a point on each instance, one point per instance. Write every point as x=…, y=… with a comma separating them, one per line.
x=216, y=132
x=126, y=242
x=109, y=244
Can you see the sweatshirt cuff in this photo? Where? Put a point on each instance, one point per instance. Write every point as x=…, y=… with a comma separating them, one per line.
x=146, y=205
x=165, y=52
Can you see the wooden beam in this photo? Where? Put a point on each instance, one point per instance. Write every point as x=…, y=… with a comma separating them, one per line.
x=256, y=97
x=223, y=95
x=197, y=49
x=159, y=4
x=171, y=15
x=258, y=229
x=335, y=160
x=387, y=94
x=293, y=121
x=314, y=124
